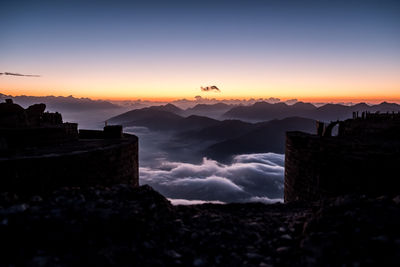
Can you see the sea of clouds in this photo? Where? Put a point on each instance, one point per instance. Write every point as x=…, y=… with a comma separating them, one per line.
x=248, y=178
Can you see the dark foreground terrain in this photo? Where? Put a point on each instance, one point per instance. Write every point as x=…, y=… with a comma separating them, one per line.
x=127, y=226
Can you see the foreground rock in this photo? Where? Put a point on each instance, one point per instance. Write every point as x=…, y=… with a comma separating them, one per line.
x=137, y=226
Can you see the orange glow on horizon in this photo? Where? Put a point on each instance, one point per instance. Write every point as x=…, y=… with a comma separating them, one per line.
x=305, y=98
x=160, y=81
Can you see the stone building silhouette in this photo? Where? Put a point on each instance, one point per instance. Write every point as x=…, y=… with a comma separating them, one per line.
x=363, y=158
x=39, y=152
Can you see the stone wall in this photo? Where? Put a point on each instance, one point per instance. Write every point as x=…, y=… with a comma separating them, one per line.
x=106, y=162
x=15, y=138
x=319, y=166
x=390, y=128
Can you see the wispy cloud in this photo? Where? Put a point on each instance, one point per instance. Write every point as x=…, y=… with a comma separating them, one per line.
x=210, y=88
x=18, y=74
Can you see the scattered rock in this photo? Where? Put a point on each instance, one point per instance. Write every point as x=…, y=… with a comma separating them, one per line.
x=282, y=249
x=396, y=199
x=121, y=224
x=286, y=237
x=199, y=262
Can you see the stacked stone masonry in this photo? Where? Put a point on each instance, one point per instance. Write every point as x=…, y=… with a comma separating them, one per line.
x=104, y=162
x=364, y=158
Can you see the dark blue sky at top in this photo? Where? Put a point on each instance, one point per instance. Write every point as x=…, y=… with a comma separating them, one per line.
x=200, y=23
x=336, y=31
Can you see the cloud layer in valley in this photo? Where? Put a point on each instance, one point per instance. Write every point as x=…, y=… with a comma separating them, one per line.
x=250, y=177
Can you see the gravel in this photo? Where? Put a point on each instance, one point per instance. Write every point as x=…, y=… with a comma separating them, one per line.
x=127, y=226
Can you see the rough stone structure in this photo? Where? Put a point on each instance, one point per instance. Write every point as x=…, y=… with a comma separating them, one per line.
x=363, y=158
x=32, y=127
x=38, y=152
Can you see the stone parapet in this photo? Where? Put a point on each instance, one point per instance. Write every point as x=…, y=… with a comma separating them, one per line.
x=320, y=166
x=81, y=163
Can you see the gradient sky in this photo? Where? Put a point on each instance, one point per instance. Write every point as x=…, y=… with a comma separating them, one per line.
x=167, y=49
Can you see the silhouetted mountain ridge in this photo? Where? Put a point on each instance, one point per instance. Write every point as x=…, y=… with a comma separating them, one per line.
x=265, y=137
x=262, y=111
x=221, y=139
x=209, y=110
x=158, y=118
x=228, y=137
x=63, y=104
x=221, y=131
x=168, y=107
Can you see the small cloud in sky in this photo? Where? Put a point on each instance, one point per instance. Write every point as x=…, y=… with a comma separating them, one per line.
x=212, y=88
x=18, y=74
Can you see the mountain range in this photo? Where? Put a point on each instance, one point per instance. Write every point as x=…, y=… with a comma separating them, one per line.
x=262, y=111
x=262, y=137
x=257, y=112
x=63, y=104
x=255, y=128
x=162, y=118
x=227, y=137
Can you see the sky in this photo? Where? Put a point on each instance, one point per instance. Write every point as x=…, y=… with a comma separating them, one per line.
x=309, y=50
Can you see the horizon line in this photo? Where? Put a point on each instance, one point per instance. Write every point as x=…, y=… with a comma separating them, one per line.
x=378, y=99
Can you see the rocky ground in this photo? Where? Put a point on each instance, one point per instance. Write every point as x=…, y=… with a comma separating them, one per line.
x=137, y=226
